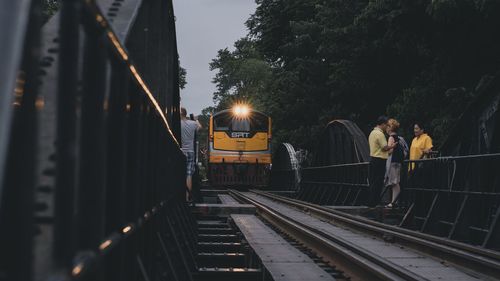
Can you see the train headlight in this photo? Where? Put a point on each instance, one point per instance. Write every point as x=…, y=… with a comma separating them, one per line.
x=241, y=110
x=237, y=110
x=244, y=110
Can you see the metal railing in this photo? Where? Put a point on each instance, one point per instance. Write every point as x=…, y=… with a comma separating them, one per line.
x=94, y=177
x=283, y=180
x=345, y=184
x=454, y=197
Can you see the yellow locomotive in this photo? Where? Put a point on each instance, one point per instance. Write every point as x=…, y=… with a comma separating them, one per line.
x=239, y=148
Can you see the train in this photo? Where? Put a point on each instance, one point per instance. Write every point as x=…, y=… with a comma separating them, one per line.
x=239, y=148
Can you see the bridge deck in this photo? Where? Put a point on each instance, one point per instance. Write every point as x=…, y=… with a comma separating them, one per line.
x=228, y=199
x=282, y=260
x=421, y=265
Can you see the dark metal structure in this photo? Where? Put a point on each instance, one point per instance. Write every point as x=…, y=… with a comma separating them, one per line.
x=341, y=185
x=455, y=197
x=341, y=142
x=91, y=174
x=285, y=172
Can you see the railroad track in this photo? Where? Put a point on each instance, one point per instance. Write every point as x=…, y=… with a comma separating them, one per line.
x=359, y=246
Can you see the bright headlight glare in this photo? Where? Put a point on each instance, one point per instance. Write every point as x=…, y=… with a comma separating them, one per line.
x=241, y=110
x=237, y=110
x=244, y=110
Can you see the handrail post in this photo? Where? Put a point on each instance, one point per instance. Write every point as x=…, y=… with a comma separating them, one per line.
x=91, y=188
x=64, y=234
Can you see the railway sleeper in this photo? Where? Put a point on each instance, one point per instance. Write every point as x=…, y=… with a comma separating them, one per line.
x=220, y=247
x=227, y=238
x=222, y=254
x=212, y=224
x=236, y=259
x=228, y=274
x=216, y=230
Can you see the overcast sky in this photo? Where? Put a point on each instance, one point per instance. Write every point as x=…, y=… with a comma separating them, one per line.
x=204, y=27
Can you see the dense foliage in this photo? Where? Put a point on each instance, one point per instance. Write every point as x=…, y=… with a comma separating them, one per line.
x=182, y=77
x=306, y=62
x=49, y=7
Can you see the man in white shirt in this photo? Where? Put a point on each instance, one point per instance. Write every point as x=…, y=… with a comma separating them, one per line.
x=188, y=133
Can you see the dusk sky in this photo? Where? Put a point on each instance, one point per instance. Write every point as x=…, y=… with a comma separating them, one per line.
x=204, y=27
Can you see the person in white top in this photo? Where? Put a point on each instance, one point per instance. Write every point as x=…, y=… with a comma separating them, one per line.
x=188, y=133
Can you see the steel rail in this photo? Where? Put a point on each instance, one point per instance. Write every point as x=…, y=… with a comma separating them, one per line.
x=359, y=263
x=478, y=259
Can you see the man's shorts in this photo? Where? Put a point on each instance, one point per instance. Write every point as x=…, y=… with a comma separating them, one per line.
x=189, y=163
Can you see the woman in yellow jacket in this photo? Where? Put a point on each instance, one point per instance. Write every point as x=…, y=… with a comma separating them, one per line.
x=421, y=144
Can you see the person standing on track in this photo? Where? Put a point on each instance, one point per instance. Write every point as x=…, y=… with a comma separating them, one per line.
x=188, y=132
x=379, y=152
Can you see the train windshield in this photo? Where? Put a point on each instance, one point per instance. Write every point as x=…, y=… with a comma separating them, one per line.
x=256, y=122
x=240, y=125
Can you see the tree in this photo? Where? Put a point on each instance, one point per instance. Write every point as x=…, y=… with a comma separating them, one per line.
x=182, y=77
x=357, y=59
x=49, y=8
x=242, y=75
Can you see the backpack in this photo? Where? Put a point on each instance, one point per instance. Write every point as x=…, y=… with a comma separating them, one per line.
x=404, y=147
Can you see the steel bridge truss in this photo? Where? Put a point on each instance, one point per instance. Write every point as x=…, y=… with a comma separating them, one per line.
x=91, y=174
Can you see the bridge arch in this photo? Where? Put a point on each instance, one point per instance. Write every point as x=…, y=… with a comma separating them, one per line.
x=341, y=142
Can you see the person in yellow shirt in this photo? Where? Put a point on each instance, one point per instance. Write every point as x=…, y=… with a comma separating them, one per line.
x=379, y=152
x=421, y=144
